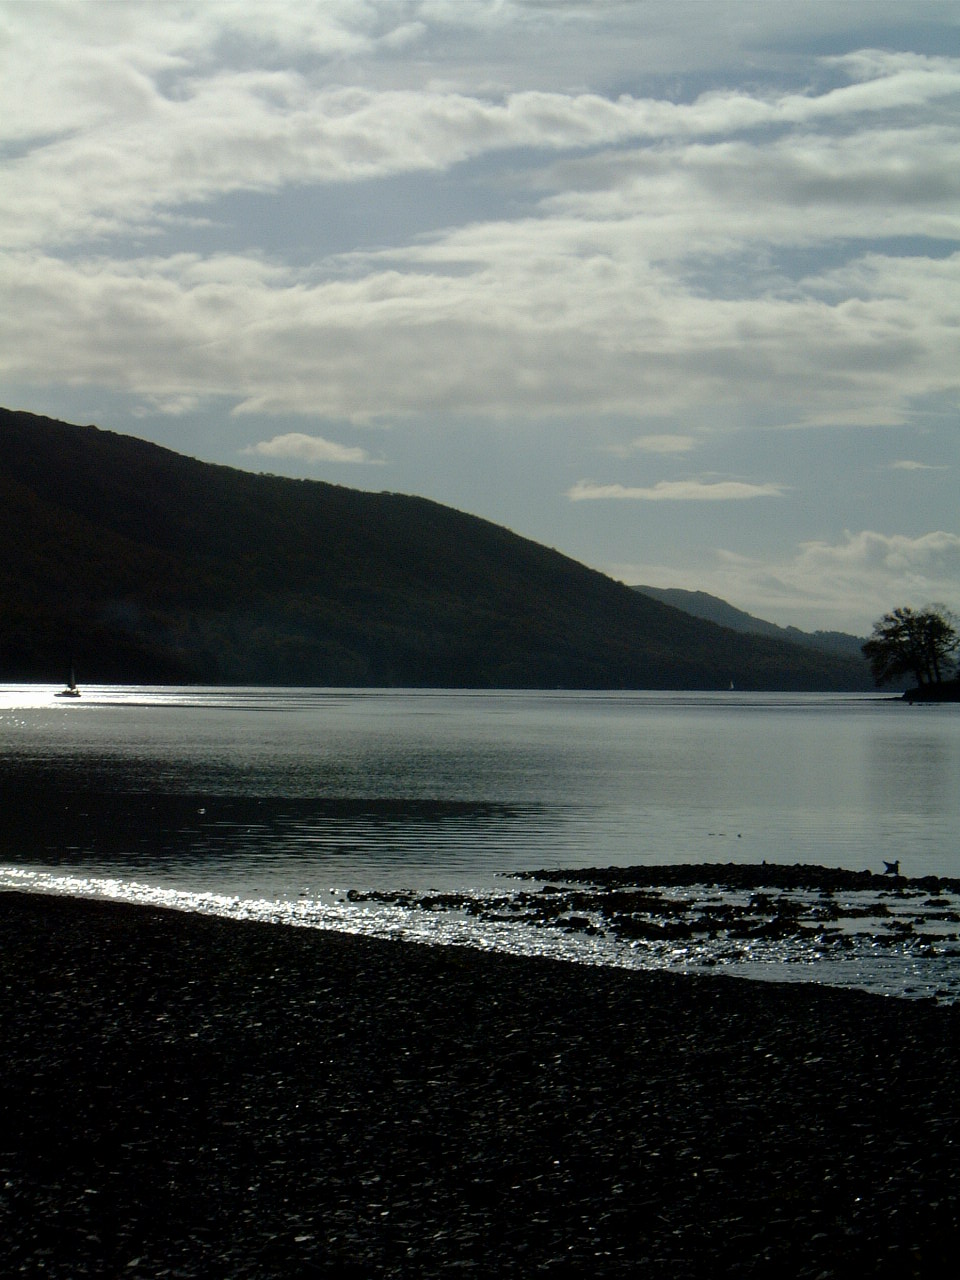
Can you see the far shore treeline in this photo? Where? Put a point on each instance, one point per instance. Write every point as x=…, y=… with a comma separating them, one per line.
x=136, y=564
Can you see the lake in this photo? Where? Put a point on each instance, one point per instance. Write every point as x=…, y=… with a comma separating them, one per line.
x=279, y=802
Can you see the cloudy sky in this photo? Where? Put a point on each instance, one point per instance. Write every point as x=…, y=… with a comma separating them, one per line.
x=670, y=285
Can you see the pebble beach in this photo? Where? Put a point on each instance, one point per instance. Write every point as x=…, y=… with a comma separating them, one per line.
x=188, y=1096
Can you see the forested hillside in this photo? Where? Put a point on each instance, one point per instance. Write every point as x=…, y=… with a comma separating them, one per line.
x=138, y=564
x=713, y=609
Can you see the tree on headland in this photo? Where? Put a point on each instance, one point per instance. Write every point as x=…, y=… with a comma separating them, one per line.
x=922, y=644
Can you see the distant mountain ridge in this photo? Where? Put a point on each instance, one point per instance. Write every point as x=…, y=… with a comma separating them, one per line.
x=139, y=564
x=713, y=609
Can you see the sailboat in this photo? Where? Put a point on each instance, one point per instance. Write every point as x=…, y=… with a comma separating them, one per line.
x=71, y=691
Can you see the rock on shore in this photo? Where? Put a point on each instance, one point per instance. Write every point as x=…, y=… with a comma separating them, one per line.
x=192, y=1097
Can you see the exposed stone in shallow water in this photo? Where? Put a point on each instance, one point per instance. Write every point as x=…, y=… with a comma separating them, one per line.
x=720, y=913
x=734, y=875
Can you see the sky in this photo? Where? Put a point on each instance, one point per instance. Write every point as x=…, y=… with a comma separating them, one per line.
x=670, y=285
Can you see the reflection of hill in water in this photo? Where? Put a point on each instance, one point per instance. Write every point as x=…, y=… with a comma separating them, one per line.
x=161, y=833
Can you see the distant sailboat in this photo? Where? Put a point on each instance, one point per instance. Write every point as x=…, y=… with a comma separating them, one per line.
x=71, y=691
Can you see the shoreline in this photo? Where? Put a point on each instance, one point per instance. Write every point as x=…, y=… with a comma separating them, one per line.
x=778, y=922
x=192, y=1096
x=889, y=934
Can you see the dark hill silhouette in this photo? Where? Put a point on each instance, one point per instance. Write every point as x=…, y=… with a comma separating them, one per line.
x=713, y=609
x=139, y=564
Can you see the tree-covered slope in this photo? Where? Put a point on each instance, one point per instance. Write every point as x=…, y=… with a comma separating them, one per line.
x=140, y=564
x=713, y=609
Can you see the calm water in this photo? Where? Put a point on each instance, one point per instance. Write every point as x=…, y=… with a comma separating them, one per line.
x=296, y=796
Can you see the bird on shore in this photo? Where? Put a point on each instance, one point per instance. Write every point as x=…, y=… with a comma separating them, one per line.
x=891, y=868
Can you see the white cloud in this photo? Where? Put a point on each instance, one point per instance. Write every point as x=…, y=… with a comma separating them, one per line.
x=658, y=444
x=167, y=406
x=922, y=560
x=534, y=328
x=823, y=585
x=599, y=298
x=308, y=449
x=140, y=116
x=675, y=491
x=905, y=464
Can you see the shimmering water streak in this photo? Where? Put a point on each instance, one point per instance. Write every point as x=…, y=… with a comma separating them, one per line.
x=897, y=969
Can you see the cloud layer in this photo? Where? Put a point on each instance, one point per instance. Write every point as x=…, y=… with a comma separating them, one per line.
x=654, y=243
x=601, y=295
x=675, y=491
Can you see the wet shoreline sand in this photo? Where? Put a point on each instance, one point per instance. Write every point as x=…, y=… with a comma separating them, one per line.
x=190, y=1096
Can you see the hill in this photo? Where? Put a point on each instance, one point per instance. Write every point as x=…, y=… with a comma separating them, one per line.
x=140, y=564
x=713, y=609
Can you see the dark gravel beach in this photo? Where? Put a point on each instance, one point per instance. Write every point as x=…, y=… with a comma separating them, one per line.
x=187, y=1096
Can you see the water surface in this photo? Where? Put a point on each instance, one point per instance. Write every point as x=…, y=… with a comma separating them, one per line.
x=291, y=798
